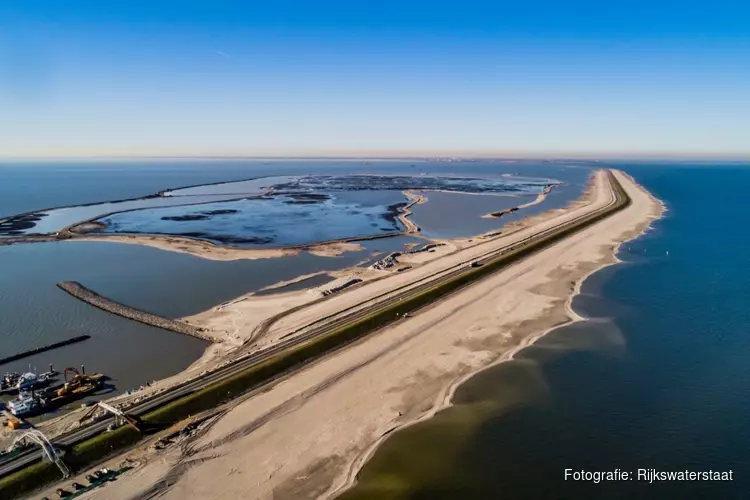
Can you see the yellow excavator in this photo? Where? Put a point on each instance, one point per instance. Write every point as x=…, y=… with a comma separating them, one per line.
x=80, y=382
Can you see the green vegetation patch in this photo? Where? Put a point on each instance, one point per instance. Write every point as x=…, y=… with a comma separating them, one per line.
x=28, y=479
x=101, y=446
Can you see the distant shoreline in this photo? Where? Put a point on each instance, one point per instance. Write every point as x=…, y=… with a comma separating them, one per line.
x=207, y=247
x=391, y=156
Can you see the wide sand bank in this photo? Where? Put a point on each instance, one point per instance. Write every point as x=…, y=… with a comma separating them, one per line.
x=308, y=436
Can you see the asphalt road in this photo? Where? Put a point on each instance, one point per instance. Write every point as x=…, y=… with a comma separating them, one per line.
x=17, y=462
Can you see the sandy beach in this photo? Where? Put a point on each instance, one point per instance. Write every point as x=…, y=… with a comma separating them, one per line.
x=536, y=201
x=309, y=434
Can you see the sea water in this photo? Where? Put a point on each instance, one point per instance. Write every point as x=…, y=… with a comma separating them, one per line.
x=34, y=312
x=658, y=378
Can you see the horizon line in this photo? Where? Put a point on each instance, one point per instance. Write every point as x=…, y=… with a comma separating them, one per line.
x=394, y=155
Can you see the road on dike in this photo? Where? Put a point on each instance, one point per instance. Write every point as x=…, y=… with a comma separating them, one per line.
x=616, y=199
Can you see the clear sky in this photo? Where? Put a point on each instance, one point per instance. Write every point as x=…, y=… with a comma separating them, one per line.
x=222, y=77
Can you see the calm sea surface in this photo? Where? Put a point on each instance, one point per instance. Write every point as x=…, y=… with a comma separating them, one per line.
x=457, y=215
x=660, y=378
x=34, y=312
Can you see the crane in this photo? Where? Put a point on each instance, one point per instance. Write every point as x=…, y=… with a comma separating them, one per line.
x=120, y=416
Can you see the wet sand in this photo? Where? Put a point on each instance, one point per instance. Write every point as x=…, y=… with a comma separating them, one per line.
x=536, y=201
x=308, y=435
x=194, y=247
x=415, y=199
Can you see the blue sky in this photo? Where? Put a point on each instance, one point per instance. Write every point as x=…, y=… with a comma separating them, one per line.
x=244, y=77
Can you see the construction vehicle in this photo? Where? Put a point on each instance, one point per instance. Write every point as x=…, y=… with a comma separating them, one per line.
x=14, y=424
x=80, y=384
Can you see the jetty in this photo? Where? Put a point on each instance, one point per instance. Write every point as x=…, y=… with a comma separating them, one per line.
x=31, y=352
x=89, y=296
